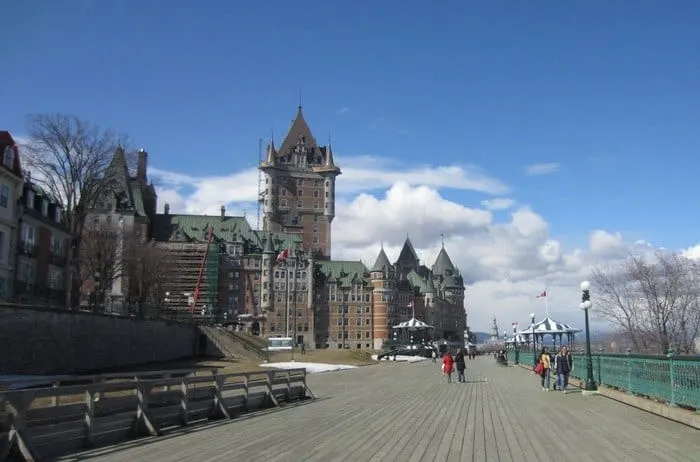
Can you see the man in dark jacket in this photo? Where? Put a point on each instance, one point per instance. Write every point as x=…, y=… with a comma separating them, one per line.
x=460, y=365
x=563, y=364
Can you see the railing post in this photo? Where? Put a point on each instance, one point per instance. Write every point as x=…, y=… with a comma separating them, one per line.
x=629, y=371
x=672, y=373
x=600, y=376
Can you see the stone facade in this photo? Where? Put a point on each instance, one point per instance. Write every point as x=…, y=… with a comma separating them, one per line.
x=45, y=341
x=10, y=192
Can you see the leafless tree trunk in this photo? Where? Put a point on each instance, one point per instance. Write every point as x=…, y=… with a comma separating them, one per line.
x=67, y=157
x=654, y=304
x=146, y=266
x=100, y=261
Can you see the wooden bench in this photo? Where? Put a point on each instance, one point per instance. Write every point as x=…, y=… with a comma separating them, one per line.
x=100, y=412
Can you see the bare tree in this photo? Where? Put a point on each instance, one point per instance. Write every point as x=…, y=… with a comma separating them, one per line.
x=146, y=266
x=99, y=261
x=655, y=304
x=68, y=158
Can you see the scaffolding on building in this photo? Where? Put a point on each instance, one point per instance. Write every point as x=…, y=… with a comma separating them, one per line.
x=185, y=262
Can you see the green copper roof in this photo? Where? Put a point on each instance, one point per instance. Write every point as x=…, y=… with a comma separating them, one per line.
x=382, y=261
x=344, y=272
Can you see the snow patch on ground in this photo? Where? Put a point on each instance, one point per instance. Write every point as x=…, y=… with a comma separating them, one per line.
x=311, y=368
x=410, y=359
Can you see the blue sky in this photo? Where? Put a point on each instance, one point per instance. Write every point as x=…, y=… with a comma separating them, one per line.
x=606, y=89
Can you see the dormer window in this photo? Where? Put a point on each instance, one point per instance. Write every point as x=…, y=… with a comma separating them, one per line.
x=57, y=214
x=45, y=207
x=9, y=157
x=30, y=199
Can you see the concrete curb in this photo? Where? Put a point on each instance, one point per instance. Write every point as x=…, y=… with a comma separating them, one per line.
x=683, y=416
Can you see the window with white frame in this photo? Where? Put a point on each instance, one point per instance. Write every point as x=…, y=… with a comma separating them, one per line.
x=4, y=195
x=9, y=157
x=56, y=245
x=45, y=207
x=57, y=214
x=2, y=246
x=28, y=234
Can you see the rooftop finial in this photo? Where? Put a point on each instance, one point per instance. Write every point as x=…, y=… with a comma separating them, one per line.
x=300, y=100
x=442, y=238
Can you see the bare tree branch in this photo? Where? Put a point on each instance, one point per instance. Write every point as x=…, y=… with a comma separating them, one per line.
x=146, y=266
x=100, y=261
x=654, y=304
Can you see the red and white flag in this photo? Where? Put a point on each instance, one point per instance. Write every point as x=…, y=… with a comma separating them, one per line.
x=542, y=295
x=282, y=256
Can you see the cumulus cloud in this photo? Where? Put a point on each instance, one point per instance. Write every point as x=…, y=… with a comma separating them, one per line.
x=206, y=194
x=692, y=252
x=506, y=259
x=542, y=169
x=498, y=203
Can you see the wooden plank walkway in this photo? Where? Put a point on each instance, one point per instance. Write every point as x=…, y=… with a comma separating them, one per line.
x=405, y=412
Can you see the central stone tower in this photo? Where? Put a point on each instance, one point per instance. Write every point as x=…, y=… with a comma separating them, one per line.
x=298, y=196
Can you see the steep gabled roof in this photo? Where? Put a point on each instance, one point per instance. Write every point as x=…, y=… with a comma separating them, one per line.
x=344, y=272
x=408, y=253
x=298, y=129
x=443, y=264
x=382, y=261
x=6, y=141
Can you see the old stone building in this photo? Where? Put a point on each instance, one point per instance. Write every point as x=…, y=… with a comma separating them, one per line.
x=357, y=307
x=299, y=189
x=10, y=191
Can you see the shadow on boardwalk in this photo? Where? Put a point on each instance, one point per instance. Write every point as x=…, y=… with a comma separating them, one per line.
x=406, y=412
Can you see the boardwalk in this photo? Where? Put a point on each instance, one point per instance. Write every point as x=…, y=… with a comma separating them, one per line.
x=402, y=412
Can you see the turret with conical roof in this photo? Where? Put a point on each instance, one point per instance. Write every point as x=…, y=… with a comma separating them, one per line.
x=299, y=180
x=408, y=258
x=443, y=264
x=382, y=263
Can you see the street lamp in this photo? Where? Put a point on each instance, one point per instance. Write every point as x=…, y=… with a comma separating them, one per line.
x=167, y=301
x=534, y=346
x=516, y=344
x=586, y=305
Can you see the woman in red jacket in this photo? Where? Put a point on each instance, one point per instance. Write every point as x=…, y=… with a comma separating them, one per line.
x=448, y=365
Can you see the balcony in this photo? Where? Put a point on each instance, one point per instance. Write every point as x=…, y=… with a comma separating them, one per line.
x=27, y=249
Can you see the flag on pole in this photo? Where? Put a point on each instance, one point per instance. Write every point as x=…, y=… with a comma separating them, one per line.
x=282, y=256
x=543, y=294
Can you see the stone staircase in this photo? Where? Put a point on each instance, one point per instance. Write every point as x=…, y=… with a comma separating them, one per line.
x=229, y=345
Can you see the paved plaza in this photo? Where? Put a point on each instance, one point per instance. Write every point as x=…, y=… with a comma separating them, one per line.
x=405, y=412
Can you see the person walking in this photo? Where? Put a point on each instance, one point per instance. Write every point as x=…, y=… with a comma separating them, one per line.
x=563, y=365
x=545, y=373
x=434, y=356
x=448, y=365
x=460, y=365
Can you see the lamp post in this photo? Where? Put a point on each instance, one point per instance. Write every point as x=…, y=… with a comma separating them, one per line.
x=586, y=304
x=534, y=344
x=516, y=344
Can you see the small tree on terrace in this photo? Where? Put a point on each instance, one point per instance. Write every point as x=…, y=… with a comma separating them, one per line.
x=654, y=304
x=99, y=263
x=67, y=157
x=146, y=265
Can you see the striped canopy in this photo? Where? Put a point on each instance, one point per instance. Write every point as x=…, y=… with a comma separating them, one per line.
x=549, y=326
x=413, y=324
x=517, y=339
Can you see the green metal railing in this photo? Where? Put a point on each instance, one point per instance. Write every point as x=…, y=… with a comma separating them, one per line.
x=673, y=379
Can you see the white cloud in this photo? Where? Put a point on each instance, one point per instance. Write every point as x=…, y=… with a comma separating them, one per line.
x=498, y=203
x=342, y=111
x=507, y=261
x=542, y=169
x=206, y=194
x=692, y=252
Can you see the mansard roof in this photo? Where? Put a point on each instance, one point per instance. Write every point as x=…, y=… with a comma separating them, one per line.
x=344, y=273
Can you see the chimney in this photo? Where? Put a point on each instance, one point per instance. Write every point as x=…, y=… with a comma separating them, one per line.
x=223, y=212
x=141, y=165
x=166, y=209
